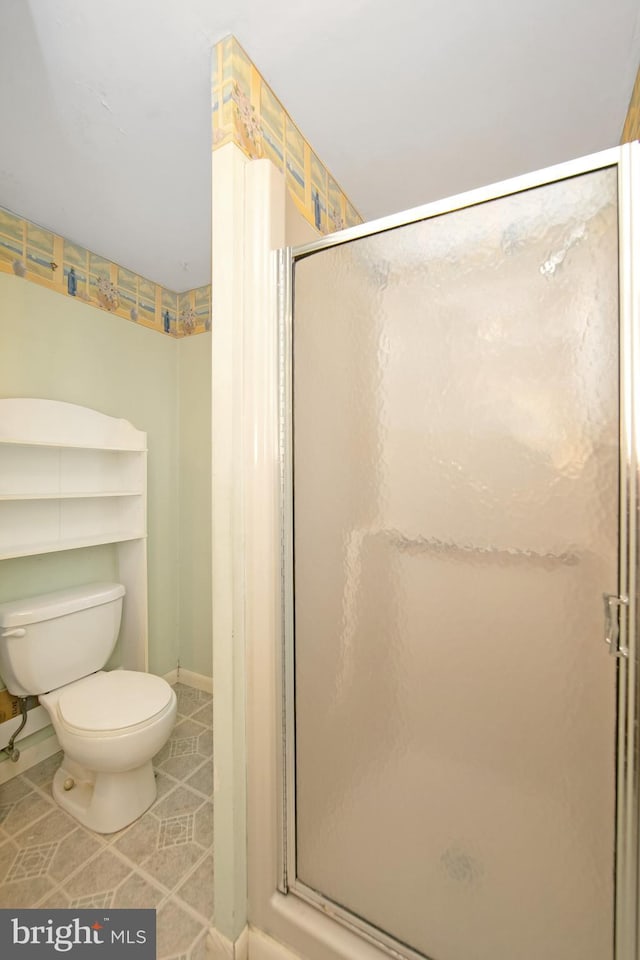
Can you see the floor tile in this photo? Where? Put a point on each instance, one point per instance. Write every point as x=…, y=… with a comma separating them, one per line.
x=140, y=840
x=170, y=865
x=74, y=850
x=164, y=783
x=25, y=812
x=55, y=825
x=175, y=830
x=97, y=901
x=42, y=774
x=203, y=825
x=31, y=862
x=98, y=878
x=205, y=743
x=177, y=931
x=204, y=715
x=181, y=800
x=189, y=727
x=202, y=948
x=8, y=853
x=202, y=779
x=190, y=699
x=182, y=767
x=197, y=889
x=162, y=754
x=14, y=790
x=55, y=899
x=136, y=891
x=24, y=893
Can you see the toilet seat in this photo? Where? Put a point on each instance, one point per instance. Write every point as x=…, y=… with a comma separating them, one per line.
x=113, y=702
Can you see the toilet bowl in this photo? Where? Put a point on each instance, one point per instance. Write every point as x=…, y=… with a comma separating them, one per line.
x=109, y=723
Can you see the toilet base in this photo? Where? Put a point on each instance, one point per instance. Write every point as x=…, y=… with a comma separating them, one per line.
x=104, y=802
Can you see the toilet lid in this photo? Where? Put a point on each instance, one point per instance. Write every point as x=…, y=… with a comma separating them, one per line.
x=113, y=700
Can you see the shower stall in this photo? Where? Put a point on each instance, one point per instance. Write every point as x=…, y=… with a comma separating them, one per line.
x=459, y=417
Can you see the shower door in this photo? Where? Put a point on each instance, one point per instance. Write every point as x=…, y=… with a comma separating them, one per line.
x=459, y=572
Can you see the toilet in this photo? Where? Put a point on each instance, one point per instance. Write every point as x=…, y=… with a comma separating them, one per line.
x=109, y=723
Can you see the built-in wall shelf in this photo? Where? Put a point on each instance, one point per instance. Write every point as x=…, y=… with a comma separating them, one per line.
x=70, y=496
x=21, y=550
x=68, y=446
x=65, y=496
x=71, y=477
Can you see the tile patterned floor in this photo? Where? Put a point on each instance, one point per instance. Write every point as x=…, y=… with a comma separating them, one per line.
x=163, y=860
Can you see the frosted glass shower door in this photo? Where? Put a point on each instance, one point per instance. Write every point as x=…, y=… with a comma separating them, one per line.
x=455, y=451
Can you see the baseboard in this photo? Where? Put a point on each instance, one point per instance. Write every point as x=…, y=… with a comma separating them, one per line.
x=263, y=947
x=220, y=948
x=197, y=680
x=29, y=757
x=171, y=677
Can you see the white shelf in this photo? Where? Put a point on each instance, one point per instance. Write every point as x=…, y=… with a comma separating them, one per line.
x=33, y=472
x=71, y=477
x=70, y=446
x=21, y=550
x=46, y=423
x=90, y=494
x=59, y=488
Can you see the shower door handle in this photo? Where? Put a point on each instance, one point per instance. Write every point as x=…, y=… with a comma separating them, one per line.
x=612, y=604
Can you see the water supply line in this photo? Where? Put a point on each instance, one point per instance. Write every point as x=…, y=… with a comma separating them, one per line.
x=12, y=752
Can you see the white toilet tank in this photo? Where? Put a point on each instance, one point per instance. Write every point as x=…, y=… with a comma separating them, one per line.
x=53, y=639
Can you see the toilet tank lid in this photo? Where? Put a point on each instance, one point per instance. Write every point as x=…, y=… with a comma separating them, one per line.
x=48, y=606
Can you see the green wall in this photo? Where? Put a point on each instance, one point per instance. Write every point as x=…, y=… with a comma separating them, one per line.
x=194, y=498
x=60, y=349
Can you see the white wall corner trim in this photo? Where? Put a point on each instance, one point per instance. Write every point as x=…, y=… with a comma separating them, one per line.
x=228, y=283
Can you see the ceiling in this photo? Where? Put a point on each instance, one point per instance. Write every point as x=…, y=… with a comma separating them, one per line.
x=105, y=106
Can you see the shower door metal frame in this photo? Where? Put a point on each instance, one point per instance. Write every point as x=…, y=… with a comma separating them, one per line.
x=626, y=159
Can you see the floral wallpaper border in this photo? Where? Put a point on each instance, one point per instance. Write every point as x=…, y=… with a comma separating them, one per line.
x=631, y=129
x=246, y=111
x=43, y=257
